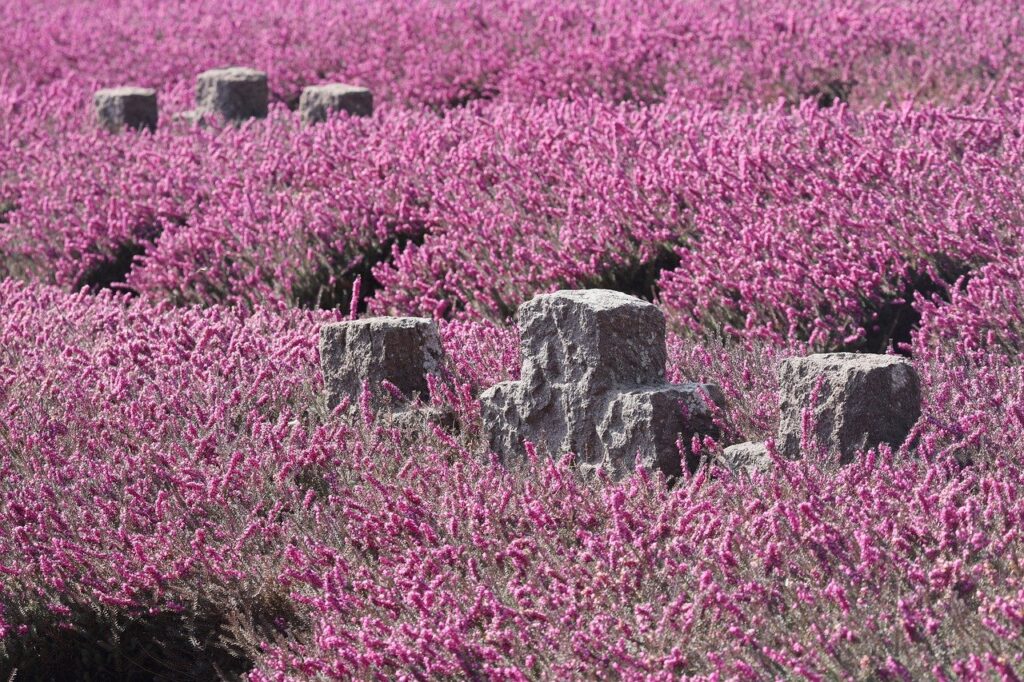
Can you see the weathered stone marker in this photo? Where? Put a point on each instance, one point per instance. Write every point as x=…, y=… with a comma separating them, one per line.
x=234, y=93
x=317, y=102
x=864, y=400
x=593, y=383
x=126, y=107
x=400, y=350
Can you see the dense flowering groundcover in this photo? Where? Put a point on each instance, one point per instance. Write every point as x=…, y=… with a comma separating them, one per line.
x=172, y=468
x=176, y=503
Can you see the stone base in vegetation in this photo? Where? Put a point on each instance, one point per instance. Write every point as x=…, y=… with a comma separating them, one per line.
x=592, y=384
x=126, y=107
x=399, y=350
x=320, y=101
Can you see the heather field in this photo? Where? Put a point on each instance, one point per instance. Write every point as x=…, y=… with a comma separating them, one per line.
x=781, y=177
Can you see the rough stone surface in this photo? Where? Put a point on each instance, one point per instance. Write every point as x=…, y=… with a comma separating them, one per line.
x=864, y=400
x=416, y=421
x=127, y=107
x=317, y=102
x=234, y=93
x=749, y=457
x=640, y=427
x=592, y=338
x=593, y=383
x=401, y=350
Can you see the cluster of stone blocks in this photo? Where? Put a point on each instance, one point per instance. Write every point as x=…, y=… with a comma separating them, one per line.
x=593, y=384
x=233, y=94
x=593, y=381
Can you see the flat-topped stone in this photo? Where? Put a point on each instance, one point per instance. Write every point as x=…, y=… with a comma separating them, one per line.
x=317, y=102
x=399, y=350
x=126, y=107
x=234, y=93
x=863, y=400
x=592, y=383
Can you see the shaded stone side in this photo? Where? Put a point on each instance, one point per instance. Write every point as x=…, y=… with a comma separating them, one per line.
x=400, y=350
x=864, y=400
x=126, y=107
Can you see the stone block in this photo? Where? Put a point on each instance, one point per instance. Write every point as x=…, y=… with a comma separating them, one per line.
x=594, y=338
x=864, y=400
x=616, y=430
x=592, y=383
x=234, y=93
x=400, y=350
x=749, y=457
x=127, y=107
x=317, y=102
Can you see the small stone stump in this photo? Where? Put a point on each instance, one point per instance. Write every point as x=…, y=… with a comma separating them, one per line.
x=126, y=107
x=749, y=457
x=863, y=401
x=593, y=383
x=400, y=350
x=317, y=102
x=235, y=93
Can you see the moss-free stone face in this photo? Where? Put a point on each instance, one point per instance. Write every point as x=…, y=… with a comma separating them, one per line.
x=593, y=383
x=857, y=401
x=234, y=93
x=750, y=457
x=400, y=350
x=317, y=102
x=126, y=107
x=597, y=338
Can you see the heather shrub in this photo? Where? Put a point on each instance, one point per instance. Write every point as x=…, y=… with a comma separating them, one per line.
x=816, y=226
x=441, y=56
x=971, y=347
x=123, y=427
x=170, y=470
x=176, y=502
x=545, y=576
x=182, y=216
x=982, y=317
x=813, y=225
